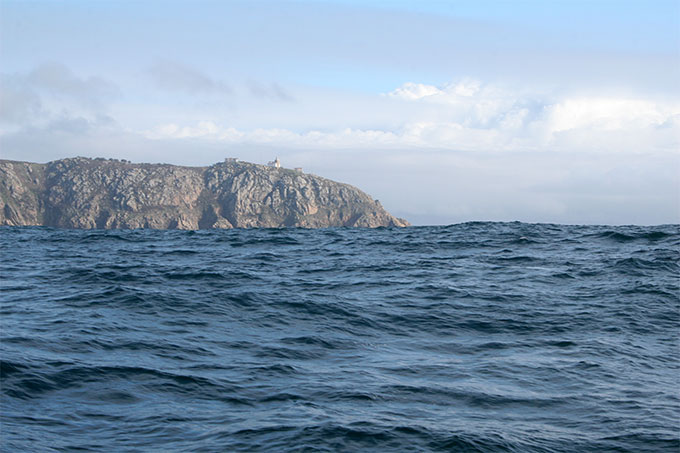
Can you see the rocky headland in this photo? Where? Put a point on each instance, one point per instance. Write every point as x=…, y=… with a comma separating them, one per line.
x=107, y=193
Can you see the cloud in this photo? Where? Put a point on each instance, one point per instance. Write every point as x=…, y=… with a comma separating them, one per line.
x=412, y=91
x=469, y=115
x=481, y=115
x=176, y=77
x=56, y=79
x=449, y=92
x=209, y=130
x=608, y=114
x=52, y=91
x=271, y=91
x=18, y=101
x=463, y=115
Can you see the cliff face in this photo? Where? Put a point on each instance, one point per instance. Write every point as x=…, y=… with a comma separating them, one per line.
x=99, y=193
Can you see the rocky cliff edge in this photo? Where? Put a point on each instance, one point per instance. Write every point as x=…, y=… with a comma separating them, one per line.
x=107, y=193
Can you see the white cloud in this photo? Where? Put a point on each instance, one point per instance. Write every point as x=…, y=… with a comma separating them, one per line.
x=413, y=91
x=608, y=114
x=486, y=115
x=464, y=115
x=470, y=116
x=202, y=129
x=449, y=93
x=276, y=136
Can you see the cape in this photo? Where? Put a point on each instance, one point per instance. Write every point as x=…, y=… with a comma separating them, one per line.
x=109, y=193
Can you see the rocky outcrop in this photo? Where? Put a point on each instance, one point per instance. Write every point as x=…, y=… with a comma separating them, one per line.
x=101, y=193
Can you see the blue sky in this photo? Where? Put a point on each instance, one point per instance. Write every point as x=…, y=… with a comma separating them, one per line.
x=550, y=111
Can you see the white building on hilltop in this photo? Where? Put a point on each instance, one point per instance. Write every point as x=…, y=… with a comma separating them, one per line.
x=275, y=163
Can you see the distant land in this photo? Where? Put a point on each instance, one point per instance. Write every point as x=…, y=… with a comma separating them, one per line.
x=109, y=193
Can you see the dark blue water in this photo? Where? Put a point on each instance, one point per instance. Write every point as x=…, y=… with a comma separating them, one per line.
x=479, y=337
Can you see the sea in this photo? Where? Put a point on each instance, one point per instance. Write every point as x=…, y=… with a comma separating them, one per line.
x=474, y=337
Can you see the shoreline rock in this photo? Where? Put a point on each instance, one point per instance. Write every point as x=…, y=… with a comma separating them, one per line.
x=107, y=193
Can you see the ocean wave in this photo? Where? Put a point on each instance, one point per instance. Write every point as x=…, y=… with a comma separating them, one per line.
x=480, y=337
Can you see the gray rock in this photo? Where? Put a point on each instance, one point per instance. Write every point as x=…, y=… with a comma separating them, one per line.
x=100, y=193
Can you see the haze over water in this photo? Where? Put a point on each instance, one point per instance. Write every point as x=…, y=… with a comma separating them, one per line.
x=480, y=337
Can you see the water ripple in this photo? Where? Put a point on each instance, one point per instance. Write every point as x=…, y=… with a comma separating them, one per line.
x=477, y=337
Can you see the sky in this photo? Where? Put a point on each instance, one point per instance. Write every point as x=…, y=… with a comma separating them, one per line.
x=445, y=111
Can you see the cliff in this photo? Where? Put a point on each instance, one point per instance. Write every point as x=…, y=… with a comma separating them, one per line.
x=100, y=193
